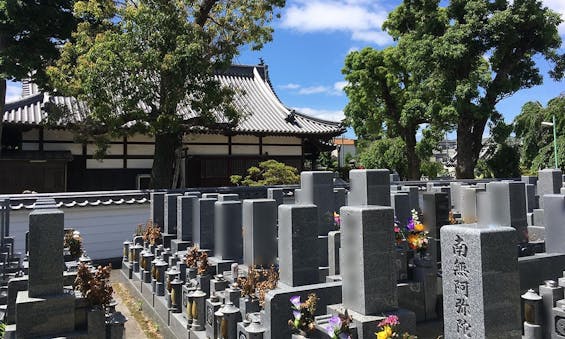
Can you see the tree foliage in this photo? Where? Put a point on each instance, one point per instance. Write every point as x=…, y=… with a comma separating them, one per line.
x=536, y=141
x=387, y=100
x=30, y=32
x=386, y=153
x=148, y=66
x=270, y=172
x=432, y=169
x=472, y=54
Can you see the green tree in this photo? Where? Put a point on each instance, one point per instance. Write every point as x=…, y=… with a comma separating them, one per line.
x=432, y=169
x=472, y=54
x=386, y=100
x=138, y=66
x=536, y=142
x=30, y=32
x=270, y=172
x=386, y=153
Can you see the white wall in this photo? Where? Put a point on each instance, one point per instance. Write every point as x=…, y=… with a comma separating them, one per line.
x=103, y=228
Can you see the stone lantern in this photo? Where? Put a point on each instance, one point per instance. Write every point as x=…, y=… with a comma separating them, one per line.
x=126, y=245
x=198, y=309
x=230, y=318
x=176, y=296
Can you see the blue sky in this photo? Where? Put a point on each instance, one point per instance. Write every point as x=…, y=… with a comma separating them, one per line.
x=310, y=43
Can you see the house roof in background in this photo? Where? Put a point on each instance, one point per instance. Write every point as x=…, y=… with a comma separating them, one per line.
x=344, y=141
x=255, y=98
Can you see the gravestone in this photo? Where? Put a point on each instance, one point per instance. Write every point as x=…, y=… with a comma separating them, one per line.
x=413, y=196
x=369, y=280
x=435, y=212
x=298, y=241
x=539, y=217
x=158, y=208
x=455, y=188
x=554, y=214
x=210, y=196
x=171, y=213
x=185, y=223
x=334, y=245
x=259, y=232
x=203, y=229
x=481, y=286
x=228, y=197
x=530, y=197
x=316, y=188
x=529, y=179
x=468, y=204
x=549, y=182
x=401, y=205
x=339, y=198
x=228, y=244
x=44, y=309
x=508, y=206
x=277, y=194
x=369, y=187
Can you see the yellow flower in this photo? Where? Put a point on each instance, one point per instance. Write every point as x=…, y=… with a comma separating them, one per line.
x=385, y=333
x=419, y=227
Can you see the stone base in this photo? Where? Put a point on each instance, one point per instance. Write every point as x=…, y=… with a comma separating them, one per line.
x=44, y=317
x=147, y=293
x=220, y=264
x=179, y=245
x=367, y=325
x=198, y=335
x=160, y=305
x=178, y=325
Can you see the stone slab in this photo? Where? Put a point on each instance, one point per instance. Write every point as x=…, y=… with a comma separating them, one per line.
x=50, y=316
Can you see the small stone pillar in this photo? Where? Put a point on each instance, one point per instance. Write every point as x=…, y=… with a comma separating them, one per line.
x=213, y=304
x=176, y=296
x=532, y=303
x=126, y=245
x=147, y=259
x=198, y=311
x=550, y=293
x=160, y=268
x=219, y=283
x=252, y=330
x=230, y=318
x=136, y=256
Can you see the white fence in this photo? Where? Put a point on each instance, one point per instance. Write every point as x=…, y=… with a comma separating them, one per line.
x=103, y=228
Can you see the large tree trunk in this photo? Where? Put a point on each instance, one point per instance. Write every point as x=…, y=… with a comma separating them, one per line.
x=164, y=160
x=413, y=159
x=469, y=145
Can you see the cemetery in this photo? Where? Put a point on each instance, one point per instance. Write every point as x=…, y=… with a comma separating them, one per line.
x=469, y=259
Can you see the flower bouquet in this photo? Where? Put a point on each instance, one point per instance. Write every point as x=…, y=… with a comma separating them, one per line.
x=416, y=234
x=338, y=326
x=303, y=314
x=389, y=329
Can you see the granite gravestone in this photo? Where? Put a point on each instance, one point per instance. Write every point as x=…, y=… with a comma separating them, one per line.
x=228, y=244
x=508, y=206
x=369, y=279
x=259, y=232
x=549, y=182
x=481, y=292
x=369, y=187
x=203, y=228
x=298, y=241
x=158, y=208
x=171, y=213
x=554, y=214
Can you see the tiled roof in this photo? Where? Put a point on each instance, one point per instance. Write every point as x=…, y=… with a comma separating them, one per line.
x=262, y=110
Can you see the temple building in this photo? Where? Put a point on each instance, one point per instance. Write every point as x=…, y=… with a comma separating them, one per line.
x=36, y=158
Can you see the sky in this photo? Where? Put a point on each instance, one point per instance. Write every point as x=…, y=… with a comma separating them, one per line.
x=312, y=39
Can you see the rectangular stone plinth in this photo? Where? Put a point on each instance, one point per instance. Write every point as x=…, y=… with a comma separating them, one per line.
x=37, y=317
x=185, y=217
x=170, y=226
x=368, y=254
x=158, y=209
x=46, y=263
x=316, y=188
x=481, y=295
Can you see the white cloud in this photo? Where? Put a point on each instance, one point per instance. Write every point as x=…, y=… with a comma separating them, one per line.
x=13, y=91
x=313, y=90
x=290, y=86
x=335, y=89
x=332, y=115
x=362, y=18
x=338, y=86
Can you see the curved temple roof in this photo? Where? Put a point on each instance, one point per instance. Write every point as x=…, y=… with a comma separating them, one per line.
x=255, y=98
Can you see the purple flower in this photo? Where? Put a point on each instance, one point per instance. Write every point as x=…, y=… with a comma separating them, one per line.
x=410, y=225
x=333, y=324
x=295, y=301
x=297, y=315
x=344, y=336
